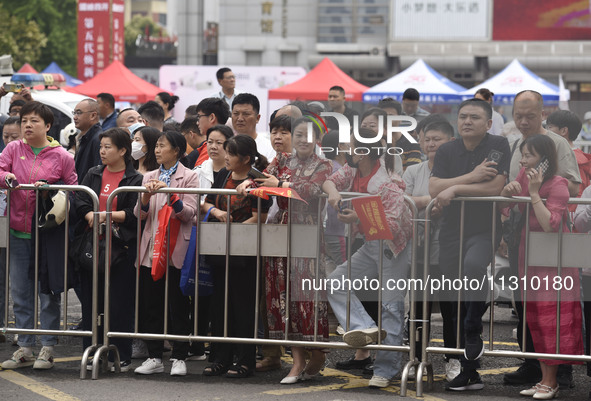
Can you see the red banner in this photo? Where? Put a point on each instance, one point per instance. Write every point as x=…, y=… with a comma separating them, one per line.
x=100, y=35
x=541, y=20
x=264, y=192
x=370, y=211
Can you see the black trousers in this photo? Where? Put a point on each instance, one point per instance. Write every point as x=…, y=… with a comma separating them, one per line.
x=121, y=305
x=151, y=310
x=241, y=309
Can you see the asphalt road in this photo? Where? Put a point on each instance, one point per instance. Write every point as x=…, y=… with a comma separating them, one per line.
x=63, y=382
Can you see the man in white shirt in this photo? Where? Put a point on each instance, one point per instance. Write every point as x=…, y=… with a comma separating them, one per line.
x=227, y=81
x=245, y=116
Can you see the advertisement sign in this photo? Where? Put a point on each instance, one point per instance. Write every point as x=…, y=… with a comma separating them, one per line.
x=541, y=20
x=192, y=83
x=440, y=19
x=99, y=24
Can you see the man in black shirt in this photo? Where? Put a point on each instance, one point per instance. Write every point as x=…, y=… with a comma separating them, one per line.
x=336, y=101
x=465, y=167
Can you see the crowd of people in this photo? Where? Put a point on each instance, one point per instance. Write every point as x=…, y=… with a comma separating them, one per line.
x=217, y=146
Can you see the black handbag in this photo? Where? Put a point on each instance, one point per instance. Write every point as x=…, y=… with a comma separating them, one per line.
x=82, y=253
x=512, y=228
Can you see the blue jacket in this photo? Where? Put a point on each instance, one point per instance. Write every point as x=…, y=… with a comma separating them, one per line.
x=110, y=121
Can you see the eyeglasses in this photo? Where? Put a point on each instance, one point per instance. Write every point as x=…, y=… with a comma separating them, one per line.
x=201, y=115
x=80, y=112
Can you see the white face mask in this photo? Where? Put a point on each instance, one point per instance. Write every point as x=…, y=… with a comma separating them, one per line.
x=134, y=127
x=136, y=150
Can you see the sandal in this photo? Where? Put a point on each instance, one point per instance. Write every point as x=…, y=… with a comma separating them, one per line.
x=268, y=363
x=240, y=372
x=215, y=369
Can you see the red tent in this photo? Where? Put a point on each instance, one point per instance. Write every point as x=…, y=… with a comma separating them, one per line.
x=315, y=85
x=27, y=69
x=117, y=80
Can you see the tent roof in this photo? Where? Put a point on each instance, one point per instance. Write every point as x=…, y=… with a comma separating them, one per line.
x=433, y=87
x=512, y=80
x=55, y=69
x=27, y=68
x=123, y=84
x=316, y=84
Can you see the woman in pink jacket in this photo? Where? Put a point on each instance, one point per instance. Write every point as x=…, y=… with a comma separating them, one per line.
x=37, y=157
x=170, y=150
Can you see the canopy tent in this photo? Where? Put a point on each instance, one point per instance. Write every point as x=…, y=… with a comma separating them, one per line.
x=433, y=87
x=55, y=69
x=316, y=84
x=512, y=80
x=27, y=68
x=123, y=84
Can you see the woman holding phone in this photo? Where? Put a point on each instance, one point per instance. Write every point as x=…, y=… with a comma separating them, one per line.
x=537, y=179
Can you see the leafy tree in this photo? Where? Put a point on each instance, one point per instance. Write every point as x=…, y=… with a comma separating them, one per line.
x=137, y=26
x=21, y=38
x=56, y=19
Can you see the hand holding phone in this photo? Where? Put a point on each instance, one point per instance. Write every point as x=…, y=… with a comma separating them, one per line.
x=543, y=164
x=12, y=87
x=254, y=173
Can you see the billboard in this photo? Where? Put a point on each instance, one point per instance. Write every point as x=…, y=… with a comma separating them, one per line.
x=100, y=35
x=192, y=83
x=440, y=19
x=542, y=20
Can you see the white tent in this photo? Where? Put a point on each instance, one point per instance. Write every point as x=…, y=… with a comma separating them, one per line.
x=512, y=80
x=433, y=87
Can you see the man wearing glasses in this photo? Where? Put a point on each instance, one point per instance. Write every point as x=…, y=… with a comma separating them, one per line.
x=86, y=119
x=211, y=111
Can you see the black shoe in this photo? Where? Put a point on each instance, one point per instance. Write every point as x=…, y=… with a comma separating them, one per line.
x=528, y=373
x=368, y=369
x=565, y=377
x=354, y=363
x=466, y=380
x=474, y=347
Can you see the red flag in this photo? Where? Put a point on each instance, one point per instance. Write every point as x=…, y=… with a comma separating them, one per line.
x=370, y=211
x=264, y=192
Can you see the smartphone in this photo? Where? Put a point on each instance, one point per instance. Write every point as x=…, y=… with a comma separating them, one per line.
x=544, y=164
x=12, y=87
x=254, y=173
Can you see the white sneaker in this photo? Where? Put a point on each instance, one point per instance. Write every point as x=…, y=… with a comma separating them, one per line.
x=19, y=360
x=452, y=369
x=45, y=359
x=194, y=357
x=412, y=373
x=379, y=382
x=179, y=368
x=150, y=366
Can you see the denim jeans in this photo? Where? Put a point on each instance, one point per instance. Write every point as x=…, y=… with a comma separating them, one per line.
x=365, y=264
x=22, y=289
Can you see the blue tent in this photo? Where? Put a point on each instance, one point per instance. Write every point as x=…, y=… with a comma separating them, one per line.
x=53, y=68
x=433, y=87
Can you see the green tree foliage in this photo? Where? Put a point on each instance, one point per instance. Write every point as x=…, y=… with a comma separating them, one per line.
x=137, y=26
x=56, y=19
x=21, y=38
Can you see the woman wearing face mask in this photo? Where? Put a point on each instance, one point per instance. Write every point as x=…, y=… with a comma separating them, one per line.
x=209, y=169
x=304, y=172
x=241, y=156
x=365, y=174
x=116, y=171
x=170, y=149
x=142, y=149
x=541, y=182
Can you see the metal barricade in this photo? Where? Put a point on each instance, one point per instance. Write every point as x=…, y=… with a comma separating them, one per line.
x=556, y=249
x=5, y=239
x=258, y=240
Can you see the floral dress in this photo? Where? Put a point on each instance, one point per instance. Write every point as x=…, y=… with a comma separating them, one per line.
x=306, y=178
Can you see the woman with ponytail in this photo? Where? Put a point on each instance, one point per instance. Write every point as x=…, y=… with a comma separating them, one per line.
x=241, y=157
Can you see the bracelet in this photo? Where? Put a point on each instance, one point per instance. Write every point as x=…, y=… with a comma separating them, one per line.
x=280, y=184
x=539, y=200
